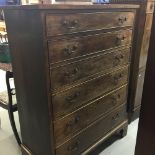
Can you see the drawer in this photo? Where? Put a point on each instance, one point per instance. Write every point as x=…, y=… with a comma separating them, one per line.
x=58, y=24
x=69, y=125
x=80, y=70
x=93, y=133
x=68, y=101
x=63, y=49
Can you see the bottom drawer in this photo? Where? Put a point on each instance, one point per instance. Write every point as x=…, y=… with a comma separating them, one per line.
x=94, y=132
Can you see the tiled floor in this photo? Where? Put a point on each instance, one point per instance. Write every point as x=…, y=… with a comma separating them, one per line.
x=8, y=146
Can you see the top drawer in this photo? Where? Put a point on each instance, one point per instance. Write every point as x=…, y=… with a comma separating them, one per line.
x=58, y=24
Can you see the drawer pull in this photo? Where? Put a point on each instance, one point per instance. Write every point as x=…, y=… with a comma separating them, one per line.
x=72, y=73
x=71, y=49
x=119, y=40
x=122, y=19
x=70, y=125
x=117, y=78
x=65, y=23
x=116, y=117
x=70, y=24
x=118, y=96
x=72, y=98
x=118, y=59
x=75, y=22
x=74, y=147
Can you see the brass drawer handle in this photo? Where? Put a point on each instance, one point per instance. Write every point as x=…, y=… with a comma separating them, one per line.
x=65, y=22
x=72, y=98
x=116, y=117
x=118, y=59
x=71, y=24
x=117, y=78
x=71, y=49
x=115, y=99
x=74, y=147
x=74, y=72
x=122, y=19
x=71, y=124
x=119, y=39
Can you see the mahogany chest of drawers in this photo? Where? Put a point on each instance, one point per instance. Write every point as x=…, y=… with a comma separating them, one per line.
x=71, y=66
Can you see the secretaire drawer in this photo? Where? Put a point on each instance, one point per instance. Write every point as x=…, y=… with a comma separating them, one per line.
x=58, y=24
x=79, y=71
x=66, y=127
x=93, y=133
x=62, y=49
x=70, y=100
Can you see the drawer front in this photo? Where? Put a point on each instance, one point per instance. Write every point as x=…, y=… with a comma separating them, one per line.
x=68, y=126
x=80, y=70
x=70, y=48
x=57, y=24
x=68, y=101
x=93, y=133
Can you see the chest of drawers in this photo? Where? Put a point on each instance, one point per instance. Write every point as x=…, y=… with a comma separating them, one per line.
x=71, y=66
